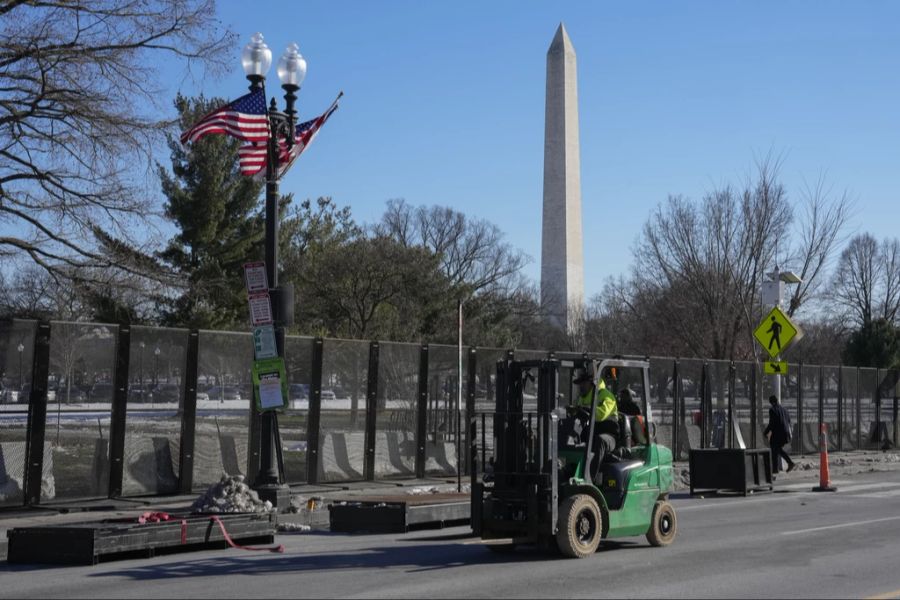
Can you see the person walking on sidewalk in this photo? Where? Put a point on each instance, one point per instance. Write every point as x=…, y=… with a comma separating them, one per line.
x=779, y=433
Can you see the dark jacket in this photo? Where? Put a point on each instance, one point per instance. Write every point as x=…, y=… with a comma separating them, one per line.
x=779, y=425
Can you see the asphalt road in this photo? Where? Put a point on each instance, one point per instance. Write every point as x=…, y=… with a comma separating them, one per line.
x=790, y=544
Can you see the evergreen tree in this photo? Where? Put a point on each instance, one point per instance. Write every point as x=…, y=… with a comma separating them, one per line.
x=220, y=221
x=875, y=344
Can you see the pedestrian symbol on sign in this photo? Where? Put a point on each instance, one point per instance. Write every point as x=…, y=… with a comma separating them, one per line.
x=775, y=330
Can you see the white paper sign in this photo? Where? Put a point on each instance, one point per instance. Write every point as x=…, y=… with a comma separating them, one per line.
x=255, y=277
x=270, y=391
x=260, y=310
x=264, y=342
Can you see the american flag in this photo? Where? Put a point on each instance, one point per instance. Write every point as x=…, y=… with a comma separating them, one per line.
x=252, y=157
x=245, y=119
x=304, y=134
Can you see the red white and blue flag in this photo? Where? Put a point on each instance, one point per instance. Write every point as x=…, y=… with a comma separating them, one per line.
x=304, y=134
x=245, y=119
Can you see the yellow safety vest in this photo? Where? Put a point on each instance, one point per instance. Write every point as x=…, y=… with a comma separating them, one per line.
x=607, y=407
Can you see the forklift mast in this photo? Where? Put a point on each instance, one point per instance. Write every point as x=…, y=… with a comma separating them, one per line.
x=525, y=440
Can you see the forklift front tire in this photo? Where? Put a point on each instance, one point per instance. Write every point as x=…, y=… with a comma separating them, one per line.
x=580, y=526
x=663, y=525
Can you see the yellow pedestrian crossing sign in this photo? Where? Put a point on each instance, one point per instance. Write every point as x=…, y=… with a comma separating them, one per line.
x=776, y=332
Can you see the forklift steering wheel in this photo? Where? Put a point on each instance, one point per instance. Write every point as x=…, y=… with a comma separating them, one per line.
x=583, y=414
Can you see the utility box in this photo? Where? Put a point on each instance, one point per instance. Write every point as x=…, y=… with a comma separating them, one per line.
x=732, y=470
x=772, y=292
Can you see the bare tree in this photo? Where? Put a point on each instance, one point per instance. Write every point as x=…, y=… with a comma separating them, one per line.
x=78, y=106
x=821, y=231
x=865, y=284
x=471, y=251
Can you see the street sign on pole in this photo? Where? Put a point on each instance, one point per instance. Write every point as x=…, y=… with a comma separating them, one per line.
x=775, y=367
x=260, y=309
x=270, y=379
x=776, y=332
x=255, y=277
x=264, y=345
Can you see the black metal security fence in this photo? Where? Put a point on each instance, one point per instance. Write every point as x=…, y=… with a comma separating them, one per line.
x=91, y=410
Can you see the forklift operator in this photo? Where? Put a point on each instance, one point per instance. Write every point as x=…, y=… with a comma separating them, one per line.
x=606, y=430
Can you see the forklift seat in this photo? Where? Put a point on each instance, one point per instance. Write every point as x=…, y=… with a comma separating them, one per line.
x=614, y=481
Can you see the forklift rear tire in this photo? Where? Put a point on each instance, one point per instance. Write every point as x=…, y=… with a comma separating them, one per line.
x=663, y=526
x=580, y=526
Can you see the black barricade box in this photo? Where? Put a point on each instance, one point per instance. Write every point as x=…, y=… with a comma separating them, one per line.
x=731, y=470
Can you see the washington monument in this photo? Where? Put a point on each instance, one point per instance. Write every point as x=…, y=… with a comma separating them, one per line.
x=562, y=261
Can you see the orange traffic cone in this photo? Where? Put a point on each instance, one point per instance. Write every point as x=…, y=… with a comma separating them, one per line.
x=824, y=478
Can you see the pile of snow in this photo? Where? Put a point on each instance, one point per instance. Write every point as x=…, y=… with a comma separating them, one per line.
x=437, y=489
x=291, y=527
x=231, y=495
x=300, y=504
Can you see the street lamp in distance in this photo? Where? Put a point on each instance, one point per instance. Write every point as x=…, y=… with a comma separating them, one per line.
x=156, y=367
x=142, y=345
x=21, y=349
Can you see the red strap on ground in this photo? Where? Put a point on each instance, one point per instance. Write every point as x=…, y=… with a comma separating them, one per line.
x=153, y=517
x=279, y=548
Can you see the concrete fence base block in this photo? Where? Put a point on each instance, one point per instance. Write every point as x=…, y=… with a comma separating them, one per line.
x=342, y=456
x=149, y=466
x=12, y=473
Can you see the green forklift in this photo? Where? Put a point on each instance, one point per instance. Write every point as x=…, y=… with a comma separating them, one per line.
x=544, y=484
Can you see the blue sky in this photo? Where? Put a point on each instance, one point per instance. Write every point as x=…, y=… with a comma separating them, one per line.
x=444, y=104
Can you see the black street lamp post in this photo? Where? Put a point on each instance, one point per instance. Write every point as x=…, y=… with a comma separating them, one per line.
x=142, y=345
x=156, y=366
x=256, y=60
x=20, y=348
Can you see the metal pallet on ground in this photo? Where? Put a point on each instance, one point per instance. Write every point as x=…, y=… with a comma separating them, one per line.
x=398, y=513
x=88, y=543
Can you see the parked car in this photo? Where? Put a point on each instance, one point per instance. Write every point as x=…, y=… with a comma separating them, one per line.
x=140, y=393
x=167, y=392
x=328, y=394
x=101, y=392
x=298, y=391
x=223, y=392
x=73, y=395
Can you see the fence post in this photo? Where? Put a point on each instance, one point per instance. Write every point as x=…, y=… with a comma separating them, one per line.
x=840, y=409
x=37, y=416
x=704, y=389
x=876, y=435
x=858, y=412
x=896, y=425
x=371, y=411
x=314, y=418
x=754, y=405
x=422, y=412
x=676, y=424
x=821, y=397
x=799, y=436
x=732, y=373
x=470, y=407
x=254, y=437
x=119, y=411
x=189, y=414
